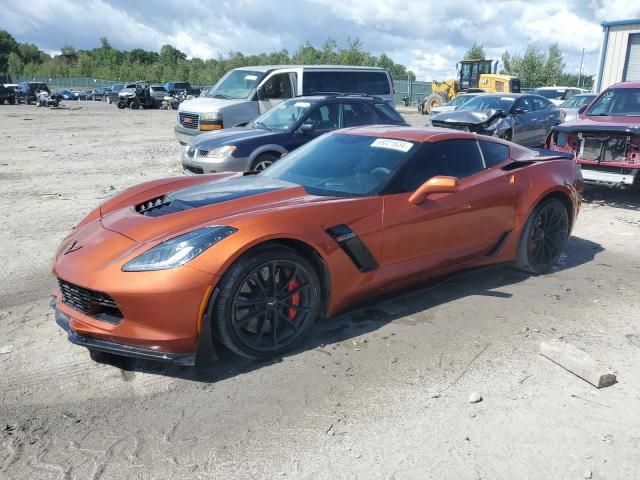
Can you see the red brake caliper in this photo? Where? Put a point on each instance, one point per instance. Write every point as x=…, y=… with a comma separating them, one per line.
x=295, y=298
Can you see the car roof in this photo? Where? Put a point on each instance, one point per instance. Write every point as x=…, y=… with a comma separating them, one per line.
x=412, y=134
x=268, y=68
x=630, y=84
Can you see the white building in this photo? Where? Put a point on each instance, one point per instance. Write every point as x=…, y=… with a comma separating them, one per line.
x=619, y=54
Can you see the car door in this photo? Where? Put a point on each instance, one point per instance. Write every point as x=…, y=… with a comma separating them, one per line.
x=277, y=87
x=548, y=116
x=449, y=228
x=524, y=121
x=324, y=118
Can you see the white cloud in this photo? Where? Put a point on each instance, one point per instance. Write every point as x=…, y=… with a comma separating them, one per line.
x=429, y=37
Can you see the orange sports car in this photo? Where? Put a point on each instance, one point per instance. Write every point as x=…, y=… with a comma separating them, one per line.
x=168, y=268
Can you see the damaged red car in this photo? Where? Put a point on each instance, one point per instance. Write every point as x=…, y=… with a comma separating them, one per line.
x=605, y=138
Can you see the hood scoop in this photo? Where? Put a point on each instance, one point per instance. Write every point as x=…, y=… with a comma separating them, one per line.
x=209, y=194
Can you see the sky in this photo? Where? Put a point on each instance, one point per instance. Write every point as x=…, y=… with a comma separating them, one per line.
x=428, y=37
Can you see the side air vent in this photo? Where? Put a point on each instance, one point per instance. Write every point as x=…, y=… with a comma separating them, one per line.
x=354, y=247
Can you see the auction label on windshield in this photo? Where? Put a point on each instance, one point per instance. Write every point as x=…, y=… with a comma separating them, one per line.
x=250, y=77
x=398, y=145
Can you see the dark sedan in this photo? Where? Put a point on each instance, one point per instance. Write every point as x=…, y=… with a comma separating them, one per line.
x=524, y=119
x=283, y=128
x=67, y=95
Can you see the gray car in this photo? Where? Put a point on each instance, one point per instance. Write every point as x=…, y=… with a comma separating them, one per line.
x=571, y=106
x=521, y=118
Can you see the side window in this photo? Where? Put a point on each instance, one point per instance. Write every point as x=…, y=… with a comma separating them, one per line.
x=389, y=111
x=325, y=117
x=345, y=81
x=278, y=86
x=570, y=93
x=539, y=104
x=355, y=114
x=493, y=153
x=525, y=104
x=453, y=158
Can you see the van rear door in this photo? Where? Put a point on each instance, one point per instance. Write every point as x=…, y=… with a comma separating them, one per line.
x=279, y=86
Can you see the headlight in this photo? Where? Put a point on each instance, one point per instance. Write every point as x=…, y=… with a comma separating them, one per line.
x=210, y=116
x=222, y=152
x=178, y=250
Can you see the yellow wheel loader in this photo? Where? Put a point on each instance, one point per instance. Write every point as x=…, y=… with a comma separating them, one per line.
x=473, y=76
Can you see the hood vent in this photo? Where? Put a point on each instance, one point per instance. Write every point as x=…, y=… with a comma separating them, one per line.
x=145, y=207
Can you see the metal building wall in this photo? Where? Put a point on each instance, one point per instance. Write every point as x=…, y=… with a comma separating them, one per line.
x=615, y=48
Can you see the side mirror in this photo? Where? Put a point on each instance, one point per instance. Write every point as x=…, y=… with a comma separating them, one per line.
x=438, y=184
x=307, y=127
x=582, y=109
x=519, y=111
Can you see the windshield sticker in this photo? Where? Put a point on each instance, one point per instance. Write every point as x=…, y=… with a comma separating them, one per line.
x=508, y=99
x=398, y=145
x=250, y=77
x=302, y=104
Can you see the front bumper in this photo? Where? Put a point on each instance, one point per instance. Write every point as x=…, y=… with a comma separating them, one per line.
x=609, y=178
x=63, y=320
x=196, y=164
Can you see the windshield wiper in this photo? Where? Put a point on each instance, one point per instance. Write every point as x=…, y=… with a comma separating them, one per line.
x=222, y=95
x=262, y=125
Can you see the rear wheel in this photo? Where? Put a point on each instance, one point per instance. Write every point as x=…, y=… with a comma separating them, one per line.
x=268, y=302
x=263, y=161
x=135, y=104
x=544, y=237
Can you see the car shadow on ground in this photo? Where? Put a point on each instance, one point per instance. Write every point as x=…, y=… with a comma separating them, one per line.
x=486, y=281
x=625, y=198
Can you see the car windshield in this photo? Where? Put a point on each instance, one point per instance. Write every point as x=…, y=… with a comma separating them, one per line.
x=235, y=85
x=117, y=87
x=342, y=165
x=577, y=101
x=485, y=102
x=617, y=102
x=283, y=116
x=460, y=100
x=551, y=93
x=158, y=88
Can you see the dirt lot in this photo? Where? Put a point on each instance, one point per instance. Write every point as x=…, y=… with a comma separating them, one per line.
x=380, y=392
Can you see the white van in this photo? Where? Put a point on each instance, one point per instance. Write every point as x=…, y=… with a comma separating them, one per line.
x=245, y=93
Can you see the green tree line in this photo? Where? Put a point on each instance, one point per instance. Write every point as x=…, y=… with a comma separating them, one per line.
x=169, y=63
x=535, y=67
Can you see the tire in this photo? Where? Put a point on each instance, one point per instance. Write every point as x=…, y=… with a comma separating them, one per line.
x=432, y=101
x=122, y=104
x=543, y=237
x=445, y=97
x=55, y=103
x=135, y=104
x=12, y=100
x=263, y=161
x=257, y=318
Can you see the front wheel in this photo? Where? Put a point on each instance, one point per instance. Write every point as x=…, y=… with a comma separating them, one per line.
x=122, y=104
x=263, y=161
x=267, y=303
x=543, y=238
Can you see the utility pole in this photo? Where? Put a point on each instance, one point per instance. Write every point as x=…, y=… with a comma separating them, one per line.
x=581, y=62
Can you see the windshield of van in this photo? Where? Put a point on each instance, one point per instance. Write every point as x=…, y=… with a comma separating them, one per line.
x=617, y=102
x=235, y=85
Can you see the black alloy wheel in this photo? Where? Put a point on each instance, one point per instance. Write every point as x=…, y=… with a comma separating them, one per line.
x=544, y=237
x=268, y=302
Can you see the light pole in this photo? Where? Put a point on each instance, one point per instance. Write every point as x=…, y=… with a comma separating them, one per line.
x=580, y=73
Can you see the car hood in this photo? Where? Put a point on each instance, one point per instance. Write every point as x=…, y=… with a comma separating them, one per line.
x=601, y=124
x=468, y=117
x=164, y=214
x=228, y=136
x=442, y=109
x=207, y=104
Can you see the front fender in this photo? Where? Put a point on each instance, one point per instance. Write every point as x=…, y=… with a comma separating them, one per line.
x=268, y=148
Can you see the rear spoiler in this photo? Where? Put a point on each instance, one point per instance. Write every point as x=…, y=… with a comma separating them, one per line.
x=546, y=154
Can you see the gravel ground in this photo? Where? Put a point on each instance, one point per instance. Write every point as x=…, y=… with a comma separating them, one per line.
x=379, y=392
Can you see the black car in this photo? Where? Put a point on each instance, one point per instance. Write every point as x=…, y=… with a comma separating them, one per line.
x=285, y=127
x=7, y=94
x=27, y=91
x=176, y=87
x=521, y=118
